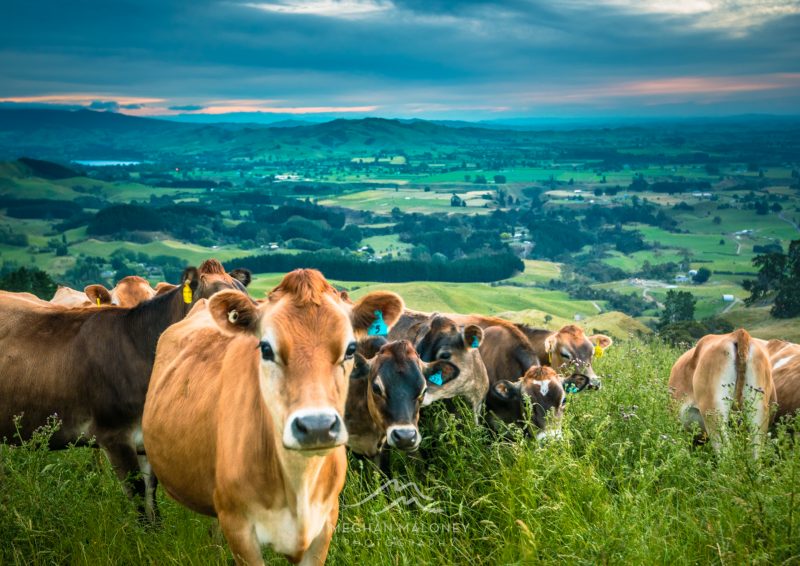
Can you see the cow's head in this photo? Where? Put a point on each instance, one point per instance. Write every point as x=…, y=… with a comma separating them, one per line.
x=304, y=336
x=209, y=278
x=571, y=352
x=441, y=338
x=131, y=290
x=397, y=381
x=529, y=402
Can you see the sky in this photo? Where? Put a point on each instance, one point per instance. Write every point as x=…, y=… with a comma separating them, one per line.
x=466, y=60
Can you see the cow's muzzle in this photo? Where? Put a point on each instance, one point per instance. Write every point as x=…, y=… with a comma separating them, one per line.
x=314, y=429
x=403, y=437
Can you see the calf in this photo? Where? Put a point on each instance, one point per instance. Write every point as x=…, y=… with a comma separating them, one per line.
x=243, y=416
x=128, y=292
x=387, y=387
x=569, y=350
x=90, y=367
x=438, y=337
x=534, y=402
x=92, y=295
x=722, y=373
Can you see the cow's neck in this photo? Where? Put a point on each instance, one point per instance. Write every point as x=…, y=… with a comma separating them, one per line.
x=148, y=320
x=536, y=337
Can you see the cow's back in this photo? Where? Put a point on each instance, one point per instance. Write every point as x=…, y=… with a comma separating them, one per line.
x=43, y=368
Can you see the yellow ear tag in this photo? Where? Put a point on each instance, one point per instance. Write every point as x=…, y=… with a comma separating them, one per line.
x=98, y=301
x=187, y=293
x=598, y=352
x=550, y=358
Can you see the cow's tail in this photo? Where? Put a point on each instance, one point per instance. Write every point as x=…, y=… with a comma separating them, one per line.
x=741, y=344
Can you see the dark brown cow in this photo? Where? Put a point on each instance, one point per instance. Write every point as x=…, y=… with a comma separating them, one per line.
x=568, y=350
x=387, y=386
x=438, y=337
x=243, y=416
x=90, y=367
x=534, y=402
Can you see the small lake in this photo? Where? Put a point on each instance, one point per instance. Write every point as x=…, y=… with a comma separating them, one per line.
x=104, y=163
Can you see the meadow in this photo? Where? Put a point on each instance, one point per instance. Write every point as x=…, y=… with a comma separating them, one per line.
x=624, y=486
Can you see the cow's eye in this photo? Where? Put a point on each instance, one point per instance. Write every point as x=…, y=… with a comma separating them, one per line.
x=376, y=389
x=445, y=355
x=267, y=354
x=350, y=351
x=566, y=355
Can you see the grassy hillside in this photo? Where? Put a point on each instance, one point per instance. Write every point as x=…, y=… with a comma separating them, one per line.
x=759, y=323
x=625, y=486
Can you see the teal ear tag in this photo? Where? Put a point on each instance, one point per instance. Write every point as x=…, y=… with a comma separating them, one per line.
x=572, y=388
x=475, y=342
x=436, y=378
x=378, y=328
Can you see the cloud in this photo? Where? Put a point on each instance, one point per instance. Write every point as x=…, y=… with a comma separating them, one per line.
x=429, y=58
x=326, y=8
x=186, y=108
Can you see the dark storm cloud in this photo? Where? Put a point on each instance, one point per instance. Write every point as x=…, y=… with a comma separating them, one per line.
x=433, y=54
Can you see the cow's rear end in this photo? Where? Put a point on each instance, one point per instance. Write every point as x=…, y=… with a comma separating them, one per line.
x=721, y=375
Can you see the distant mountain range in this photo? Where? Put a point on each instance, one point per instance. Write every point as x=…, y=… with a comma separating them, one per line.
x=83, y=134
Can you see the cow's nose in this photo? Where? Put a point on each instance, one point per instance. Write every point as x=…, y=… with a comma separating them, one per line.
x=595, y=383
x=317, y=430
x=404, y=438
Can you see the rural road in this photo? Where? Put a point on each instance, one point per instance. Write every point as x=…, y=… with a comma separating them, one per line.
x=792, y=222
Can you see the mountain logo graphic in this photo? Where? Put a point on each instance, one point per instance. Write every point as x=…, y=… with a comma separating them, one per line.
x=408, y=494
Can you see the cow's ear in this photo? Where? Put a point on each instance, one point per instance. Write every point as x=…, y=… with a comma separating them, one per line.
x=234, y=312
x=98, y=294
x=242, y=275
x=473, y=336
x=345, y=296
x=164, y=287
x=361, y=367
x=445, y=371
x=503, y=390
x=601, y=340
x=550, y=343
x=191, y=276
x=364, y=313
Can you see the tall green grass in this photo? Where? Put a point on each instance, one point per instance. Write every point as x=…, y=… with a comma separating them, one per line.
x=625, y=486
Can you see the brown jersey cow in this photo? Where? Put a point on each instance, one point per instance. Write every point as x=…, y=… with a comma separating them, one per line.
x=439, y=337
x=784, y=358
x=243, y=418
x=568, y=350
x=90, y=367
x=387, y=387
x=721, y=373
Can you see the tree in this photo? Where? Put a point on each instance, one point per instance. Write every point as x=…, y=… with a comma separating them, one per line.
x=500, y=179
x=702, y=275
x=29, y=280
x=678, y=307
x=787, y=299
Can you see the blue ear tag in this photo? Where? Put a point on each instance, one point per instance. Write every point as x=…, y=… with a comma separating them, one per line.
x=475, y=342
x=378, y=328
x=436, y=378
x=572, y=388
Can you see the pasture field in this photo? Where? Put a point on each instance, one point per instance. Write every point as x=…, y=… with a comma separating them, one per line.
x=480, y=298
x=624, y=486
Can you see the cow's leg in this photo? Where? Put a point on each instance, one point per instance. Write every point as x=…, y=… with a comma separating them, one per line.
x=122, y=454
x=317, y=552
x=151, y=485
x=715, y=423
x=241, y=538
